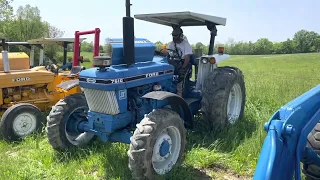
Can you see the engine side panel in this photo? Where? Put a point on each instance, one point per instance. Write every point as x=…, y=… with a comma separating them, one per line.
x=25, y=77
x=122, y=77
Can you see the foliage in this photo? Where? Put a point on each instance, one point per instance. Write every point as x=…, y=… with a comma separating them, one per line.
x=303, y=41
x=27, y=24
x=6, y=10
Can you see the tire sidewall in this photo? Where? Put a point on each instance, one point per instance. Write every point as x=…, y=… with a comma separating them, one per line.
x=13, y=112
x=161, y=126
x=153, y=124
x=220, y=83
x=67, y=110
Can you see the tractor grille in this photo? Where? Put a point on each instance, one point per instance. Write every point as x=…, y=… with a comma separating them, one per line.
x=102, y=101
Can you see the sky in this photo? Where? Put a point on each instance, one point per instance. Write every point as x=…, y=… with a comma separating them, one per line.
x=247, y=20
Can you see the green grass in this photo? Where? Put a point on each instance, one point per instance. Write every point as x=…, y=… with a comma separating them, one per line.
x=271, y=81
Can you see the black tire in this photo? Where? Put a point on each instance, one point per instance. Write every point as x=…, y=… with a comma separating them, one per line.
x=58, y=118
x=7, y=129
x=312, y=172
x=145, y=137
x=215, y=95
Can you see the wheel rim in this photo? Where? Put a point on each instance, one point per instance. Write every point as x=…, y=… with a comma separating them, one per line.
x=234, y=103
x=77, y=115
x=24, y=124
x=166, y=150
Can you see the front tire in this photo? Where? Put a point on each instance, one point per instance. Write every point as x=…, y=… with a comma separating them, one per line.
x=312, y=172
x=71, y=109
x=157, y=144
x=223, y=97
x=21, y=120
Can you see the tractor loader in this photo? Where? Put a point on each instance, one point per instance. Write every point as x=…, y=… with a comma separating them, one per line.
x=26, y=92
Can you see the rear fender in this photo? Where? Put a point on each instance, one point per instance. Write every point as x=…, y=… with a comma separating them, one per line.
x=175, y=102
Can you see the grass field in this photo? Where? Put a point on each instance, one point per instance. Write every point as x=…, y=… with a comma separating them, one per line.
x=271, y=81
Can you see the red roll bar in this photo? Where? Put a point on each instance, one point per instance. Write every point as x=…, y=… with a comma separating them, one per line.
x=76, y=49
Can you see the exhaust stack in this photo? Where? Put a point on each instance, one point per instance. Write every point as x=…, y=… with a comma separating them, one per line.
x=5, y=57
x=128, y=36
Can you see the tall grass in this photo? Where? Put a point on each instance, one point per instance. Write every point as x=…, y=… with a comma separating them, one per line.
x=271, y=81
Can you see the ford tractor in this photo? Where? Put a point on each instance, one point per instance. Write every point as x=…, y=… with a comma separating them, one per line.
x=131, y=97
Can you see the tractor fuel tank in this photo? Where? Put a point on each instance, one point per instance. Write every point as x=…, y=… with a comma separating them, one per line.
x=17, y=61
x=144, y=50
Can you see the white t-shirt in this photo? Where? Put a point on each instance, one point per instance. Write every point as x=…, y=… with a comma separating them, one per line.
x=184, y=48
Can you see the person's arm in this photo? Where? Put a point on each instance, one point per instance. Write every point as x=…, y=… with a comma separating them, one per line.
x=188, y=52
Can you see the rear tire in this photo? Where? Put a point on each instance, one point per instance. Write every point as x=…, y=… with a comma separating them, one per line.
x=160, y=137
x=69, y=109
x=218, y=105
x=21, y=120
x=312, y=172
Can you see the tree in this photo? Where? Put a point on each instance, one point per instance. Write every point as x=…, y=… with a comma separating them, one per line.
x=263, y=46
x=6, y=10
x=51, y=50
x=306, y=41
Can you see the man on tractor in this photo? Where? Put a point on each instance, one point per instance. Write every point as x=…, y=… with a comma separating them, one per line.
x=183, y=50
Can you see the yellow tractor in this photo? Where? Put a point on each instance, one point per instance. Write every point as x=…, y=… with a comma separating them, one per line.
x=26, y=91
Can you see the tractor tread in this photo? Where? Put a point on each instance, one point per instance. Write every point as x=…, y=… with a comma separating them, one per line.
x=56, y=121
x=216, y=92
x=141, y=146
x=6, y=123
x=312, y=172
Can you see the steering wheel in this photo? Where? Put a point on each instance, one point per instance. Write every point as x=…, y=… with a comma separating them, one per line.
x=53, y=68
x=172, y=54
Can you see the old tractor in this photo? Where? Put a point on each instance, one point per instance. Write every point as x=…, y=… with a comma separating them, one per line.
x=293, y=138
x=26, y=92
x=131, y=97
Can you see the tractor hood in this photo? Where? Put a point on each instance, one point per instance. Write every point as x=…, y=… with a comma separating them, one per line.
x=122, y=76
x=143, y=50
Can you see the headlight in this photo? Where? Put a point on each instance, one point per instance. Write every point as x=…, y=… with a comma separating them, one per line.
x=204, y=60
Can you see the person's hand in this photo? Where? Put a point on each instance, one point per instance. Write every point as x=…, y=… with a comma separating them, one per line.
x=164, y=51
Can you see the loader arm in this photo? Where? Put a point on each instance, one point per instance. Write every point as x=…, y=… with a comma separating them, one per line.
x=285, y=144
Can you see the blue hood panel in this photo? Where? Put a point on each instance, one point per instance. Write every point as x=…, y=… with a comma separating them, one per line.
x=143, y=50
x=123, y=77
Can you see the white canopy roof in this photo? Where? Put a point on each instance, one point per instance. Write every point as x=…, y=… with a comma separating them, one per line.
x=53, y=40
x=185, y=18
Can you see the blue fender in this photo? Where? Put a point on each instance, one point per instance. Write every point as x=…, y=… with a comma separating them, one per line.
x=284, y=145
x=178, y=104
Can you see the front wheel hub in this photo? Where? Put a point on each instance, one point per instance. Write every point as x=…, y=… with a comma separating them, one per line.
x=234, y=103
x=24, y=124
x=162, y=148
x=166, y=150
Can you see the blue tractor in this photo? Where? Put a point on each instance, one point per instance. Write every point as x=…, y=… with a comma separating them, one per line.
x=131, y=97
x=293, y=139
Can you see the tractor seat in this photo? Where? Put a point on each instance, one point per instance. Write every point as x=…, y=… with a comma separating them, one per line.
x=75, y=70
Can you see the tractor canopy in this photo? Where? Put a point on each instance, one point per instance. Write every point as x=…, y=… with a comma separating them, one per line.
x=55, y=41
x=185, y=18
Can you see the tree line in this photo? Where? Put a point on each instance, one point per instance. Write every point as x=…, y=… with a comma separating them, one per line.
x=303, y=41
x=26, y=23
